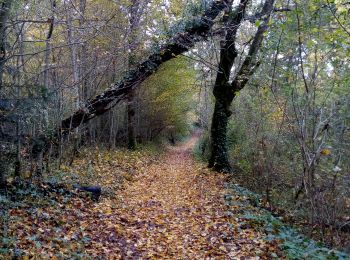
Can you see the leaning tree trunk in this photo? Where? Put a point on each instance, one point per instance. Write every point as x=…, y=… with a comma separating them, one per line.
x=178, y=44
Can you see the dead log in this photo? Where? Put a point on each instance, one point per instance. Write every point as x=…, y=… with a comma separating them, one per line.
x=94, y=190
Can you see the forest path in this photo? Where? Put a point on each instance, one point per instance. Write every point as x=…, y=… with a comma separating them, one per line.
x=169, y=207
x=175, y=210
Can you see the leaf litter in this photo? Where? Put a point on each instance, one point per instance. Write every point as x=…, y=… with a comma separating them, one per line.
x=152, y=207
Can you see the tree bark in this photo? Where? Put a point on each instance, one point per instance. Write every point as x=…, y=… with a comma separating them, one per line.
x=223, y=96
x=224, y=92
x=83, y=54
x=131, y=121
x=3, y=171
x=135, y=11
x=73, y=56
x=5, y=7
x=219, y=157
x=178, y=44
x=51, y=22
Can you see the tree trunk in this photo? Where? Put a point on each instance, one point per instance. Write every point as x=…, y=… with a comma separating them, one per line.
x=219, y=157
x=224, y=91
x=83, y=54
x=5, y=6
x=17, y=80
x=131, y=122
x=176, y=45
x=3, y=172
x=73, y=56
x=136, y=11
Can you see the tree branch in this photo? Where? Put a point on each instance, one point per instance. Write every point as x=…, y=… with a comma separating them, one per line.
x=176, y=45
x=250, y=64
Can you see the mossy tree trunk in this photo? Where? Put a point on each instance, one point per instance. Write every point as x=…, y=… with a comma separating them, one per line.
x=219, y=157
x=224, y=91
x=5, y=6
x=223, y=96
x=3, y=171
x=174, y=46
x=131, y=121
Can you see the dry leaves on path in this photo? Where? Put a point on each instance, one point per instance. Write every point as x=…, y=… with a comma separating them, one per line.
x=172, y=208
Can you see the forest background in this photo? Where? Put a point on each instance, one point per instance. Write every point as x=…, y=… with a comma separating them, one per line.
x=288, y=130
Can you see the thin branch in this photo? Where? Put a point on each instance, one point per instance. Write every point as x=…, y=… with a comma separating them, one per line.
x=337, y=18
x=300, y=51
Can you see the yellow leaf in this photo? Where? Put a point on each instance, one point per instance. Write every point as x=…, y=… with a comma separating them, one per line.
x=109, y=211
x=325, y=151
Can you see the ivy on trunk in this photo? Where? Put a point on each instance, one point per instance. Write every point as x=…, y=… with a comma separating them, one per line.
x=224, y=91
x=178, y=44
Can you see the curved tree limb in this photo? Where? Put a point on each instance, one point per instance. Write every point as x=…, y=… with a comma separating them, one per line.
x=176, y=45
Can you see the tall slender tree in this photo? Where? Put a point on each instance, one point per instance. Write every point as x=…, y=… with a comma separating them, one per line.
x=135, y=11
x=5, y=6
x=4, y=15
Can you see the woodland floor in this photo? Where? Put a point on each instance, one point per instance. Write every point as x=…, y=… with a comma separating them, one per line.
x=170, y=207
x=176, y=210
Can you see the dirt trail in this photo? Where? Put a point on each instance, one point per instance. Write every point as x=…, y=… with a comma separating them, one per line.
x=171, y=208
x=175, y=210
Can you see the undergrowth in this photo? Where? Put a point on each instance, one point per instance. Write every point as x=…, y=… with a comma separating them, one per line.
x=245, y=205
x=38, y=218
